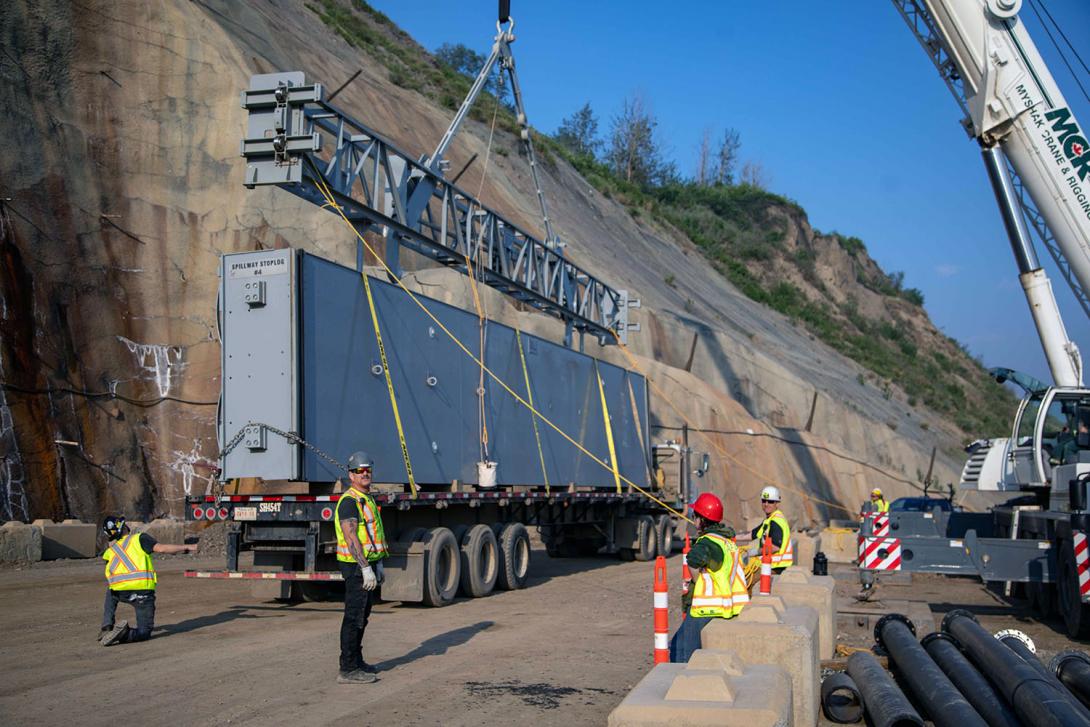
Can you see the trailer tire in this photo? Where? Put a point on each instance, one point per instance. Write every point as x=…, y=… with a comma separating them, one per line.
x=647, y=545
x=1076, y=616
x=664, y=535
x=480, y=561
x=442, y=567
x=514, y=553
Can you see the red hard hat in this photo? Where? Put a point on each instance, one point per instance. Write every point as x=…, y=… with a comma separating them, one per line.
x=710, y=507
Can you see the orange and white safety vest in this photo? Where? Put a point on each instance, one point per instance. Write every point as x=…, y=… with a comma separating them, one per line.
x=128, y=567
x=721, y=593
x=370, y=532
x=785, y=555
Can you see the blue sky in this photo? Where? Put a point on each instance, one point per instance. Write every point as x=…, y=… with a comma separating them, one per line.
x=835, y=100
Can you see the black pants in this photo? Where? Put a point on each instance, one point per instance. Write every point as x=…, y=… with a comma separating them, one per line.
x=357, y=609
x=142, y=601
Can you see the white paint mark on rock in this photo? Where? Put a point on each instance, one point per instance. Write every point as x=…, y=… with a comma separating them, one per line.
x=183, y=463
x=160, y=362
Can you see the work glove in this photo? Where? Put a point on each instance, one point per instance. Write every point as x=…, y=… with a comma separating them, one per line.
x=753, y=550
x=369, y=580
x=380, y=572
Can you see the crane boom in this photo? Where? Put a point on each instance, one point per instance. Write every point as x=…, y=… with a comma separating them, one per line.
x=1013, y=104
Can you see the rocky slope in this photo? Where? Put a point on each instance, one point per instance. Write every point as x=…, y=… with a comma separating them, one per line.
x=121, y=160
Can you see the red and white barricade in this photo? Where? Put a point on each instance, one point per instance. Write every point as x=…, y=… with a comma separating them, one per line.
x=880, y=553
x=1082, y=562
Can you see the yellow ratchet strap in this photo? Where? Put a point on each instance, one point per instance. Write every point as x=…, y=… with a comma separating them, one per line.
x=389, y=384
x=609, y=428
x=533, y=415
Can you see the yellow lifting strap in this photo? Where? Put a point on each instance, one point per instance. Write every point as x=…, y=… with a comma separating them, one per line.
x=389, y=384
x=609, y=428
x=533, y=415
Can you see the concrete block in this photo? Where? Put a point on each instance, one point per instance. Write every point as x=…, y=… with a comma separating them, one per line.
x=165, y=531
x=806, y=545
x=798, y=588
x=20, y=543
x=840, y=545
x=714, y=688
x=768, y=631
x=67, y=539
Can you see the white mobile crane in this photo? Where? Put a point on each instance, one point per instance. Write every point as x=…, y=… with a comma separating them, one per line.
x=1038, y=162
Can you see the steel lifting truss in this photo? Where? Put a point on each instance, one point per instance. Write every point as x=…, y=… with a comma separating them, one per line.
x=922, y=25
x=296, y=140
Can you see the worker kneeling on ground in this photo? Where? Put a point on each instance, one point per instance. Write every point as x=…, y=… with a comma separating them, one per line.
x=130, y=578
x=877, y=501
x=719, y=585
x=361, y=546
x=775, y=528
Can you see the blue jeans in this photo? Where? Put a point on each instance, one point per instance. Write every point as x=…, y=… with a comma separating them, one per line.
x=142, y=601
x=686, y=639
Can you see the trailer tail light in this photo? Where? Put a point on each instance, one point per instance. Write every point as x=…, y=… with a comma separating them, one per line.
x=327, y=513
x=198, y=513
x=223, y=513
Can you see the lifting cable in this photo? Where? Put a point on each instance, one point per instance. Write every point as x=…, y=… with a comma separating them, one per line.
x=389, y=381
x=533, y=419
x=719, y=449
x=323, y=188
x=608, y=427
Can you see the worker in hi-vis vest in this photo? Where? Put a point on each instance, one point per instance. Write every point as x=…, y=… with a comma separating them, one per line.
x=361, y=546
x=130, y=578
x=775, y=527
x=878, y=501
x=719, y=585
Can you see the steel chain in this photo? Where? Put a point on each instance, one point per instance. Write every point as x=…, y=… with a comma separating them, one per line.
x=290, y=436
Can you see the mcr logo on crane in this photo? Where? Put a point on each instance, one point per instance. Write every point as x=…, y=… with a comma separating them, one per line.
x=1071, y=138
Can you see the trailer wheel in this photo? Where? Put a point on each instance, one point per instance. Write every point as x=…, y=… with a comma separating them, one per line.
x=514, y=557
x=480, y=561
x=646, y=539
x=664, y=535
x=1076, y=615
x=442, y=567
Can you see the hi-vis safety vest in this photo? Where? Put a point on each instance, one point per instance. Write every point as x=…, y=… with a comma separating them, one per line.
x=785, y=556
x=721, y=593
x=881, y=504
x=128, y=567
x=370, y=532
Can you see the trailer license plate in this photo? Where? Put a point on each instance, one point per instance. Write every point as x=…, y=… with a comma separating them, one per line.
x=245, y=513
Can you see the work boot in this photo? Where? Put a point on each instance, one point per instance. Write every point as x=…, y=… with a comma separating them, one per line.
x=102, y=633
x=116, y=635
x=356, y=676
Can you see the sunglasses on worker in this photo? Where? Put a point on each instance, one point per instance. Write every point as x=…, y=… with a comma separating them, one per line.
x=361, y=471
x=768, y=502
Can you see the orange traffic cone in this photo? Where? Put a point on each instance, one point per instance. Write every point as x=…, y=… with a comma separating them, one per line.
x=766, y=568
x=662, y=613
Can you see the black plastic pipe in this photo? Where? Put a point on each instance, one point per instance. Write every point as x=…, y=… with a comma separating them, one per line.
x=1072, y=668
x=1036, y=701
x=884, y=702
x=944, y=649
x=941, y=700
x=840, y=699
x=1018, y=647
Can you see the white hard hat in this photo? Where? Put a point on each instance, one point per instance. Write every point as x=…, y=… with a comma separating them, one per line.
x=771, y=493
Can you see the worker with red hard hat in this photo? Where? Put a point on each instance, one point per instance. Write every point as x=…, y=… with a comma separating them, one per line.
x=719, y=582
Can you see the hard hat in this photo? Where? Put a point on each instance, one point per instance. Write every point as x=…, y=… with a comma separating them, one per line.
x=771, y=493
x=360, y=459
x=876, y=492
x=113, y=525
x=710, y=507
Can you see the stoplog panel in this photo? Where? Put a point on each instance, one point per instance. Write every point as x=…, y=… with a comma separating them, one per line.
x=343, y=400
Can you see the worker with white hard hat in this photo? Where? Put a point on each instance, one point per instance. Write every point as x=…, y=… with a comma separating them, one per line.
x=774, y=527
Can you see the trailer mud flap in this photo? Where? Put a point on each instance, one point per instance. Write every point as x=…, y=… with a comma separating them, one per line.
x=404, y=573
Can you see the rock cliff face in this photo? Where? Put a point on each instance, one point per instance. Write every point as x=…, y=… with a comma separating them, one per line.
x=121, y=133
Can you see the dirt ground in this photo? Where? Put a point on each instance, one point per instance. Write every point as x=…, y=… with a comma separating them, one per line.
x=564, y=651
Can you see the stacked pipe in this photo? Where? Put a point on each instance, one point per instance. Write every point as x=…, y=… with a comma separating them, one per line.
x=944, y=649
x=940, y=699
x=1021, y=644
x=1036, y=700
x=1072, y=668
